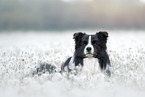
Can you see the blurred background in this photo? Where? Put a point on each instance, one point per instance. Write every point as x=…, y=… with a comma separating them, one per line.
x=71, y=14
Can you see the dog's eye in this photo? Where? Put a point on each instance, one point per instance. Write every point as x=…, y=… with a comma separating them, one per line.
x=94, y=42
x=85, y=42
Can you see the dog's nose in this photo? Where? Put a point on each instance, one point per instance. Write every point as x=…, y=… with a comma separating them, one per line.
x=88, y=49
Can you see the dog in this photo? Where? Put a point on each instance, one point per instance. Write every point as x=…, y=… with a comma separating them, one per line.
x=86, y=47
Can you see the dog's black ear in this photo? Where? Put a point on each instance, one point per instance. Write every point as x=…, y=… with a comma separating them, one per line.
x=78, y=35
x=103, y=35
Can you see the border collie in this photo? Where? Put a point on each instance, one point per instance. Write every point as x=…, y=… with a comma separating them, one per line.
x=89, y=47
x=86, y=47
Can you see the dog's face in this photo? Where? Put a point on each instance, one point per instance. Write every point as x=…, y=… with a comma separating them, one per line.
x=90, y=45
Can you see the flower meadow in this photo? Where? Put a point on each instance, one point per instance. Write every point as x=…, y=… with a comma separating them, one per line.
x=21, y=53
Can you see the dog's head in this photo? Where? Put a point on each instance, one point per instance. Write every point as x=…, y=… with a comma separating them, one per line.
x=90, y=45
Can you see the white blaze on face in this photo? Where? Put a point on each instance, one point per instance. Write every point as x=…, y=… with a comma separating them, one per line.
x=89, y=45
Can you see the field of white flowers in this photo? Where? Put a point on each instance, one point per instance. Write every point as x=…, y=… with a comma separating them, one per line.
x=20, y=53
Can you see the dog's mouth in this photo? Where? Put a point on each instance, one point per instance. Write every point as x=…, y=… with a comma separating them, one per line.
x=89, y=55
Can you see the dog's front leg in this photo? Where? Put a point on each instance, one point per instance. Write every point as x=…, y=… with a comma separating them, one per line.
x=72, y=64
x=75, y=65
x=78, y=65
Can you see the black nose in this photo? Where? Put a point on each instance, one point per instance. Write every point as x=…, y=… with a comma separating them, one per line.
x=88, y=49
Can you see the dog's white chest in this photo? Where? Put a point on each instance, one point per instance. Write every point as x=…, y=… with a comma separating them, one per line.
x=91, y=66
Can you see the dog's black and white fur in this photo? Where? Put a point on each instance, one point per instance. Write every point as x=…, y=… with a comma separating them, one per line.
x=86, y=47
x=89, y=46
